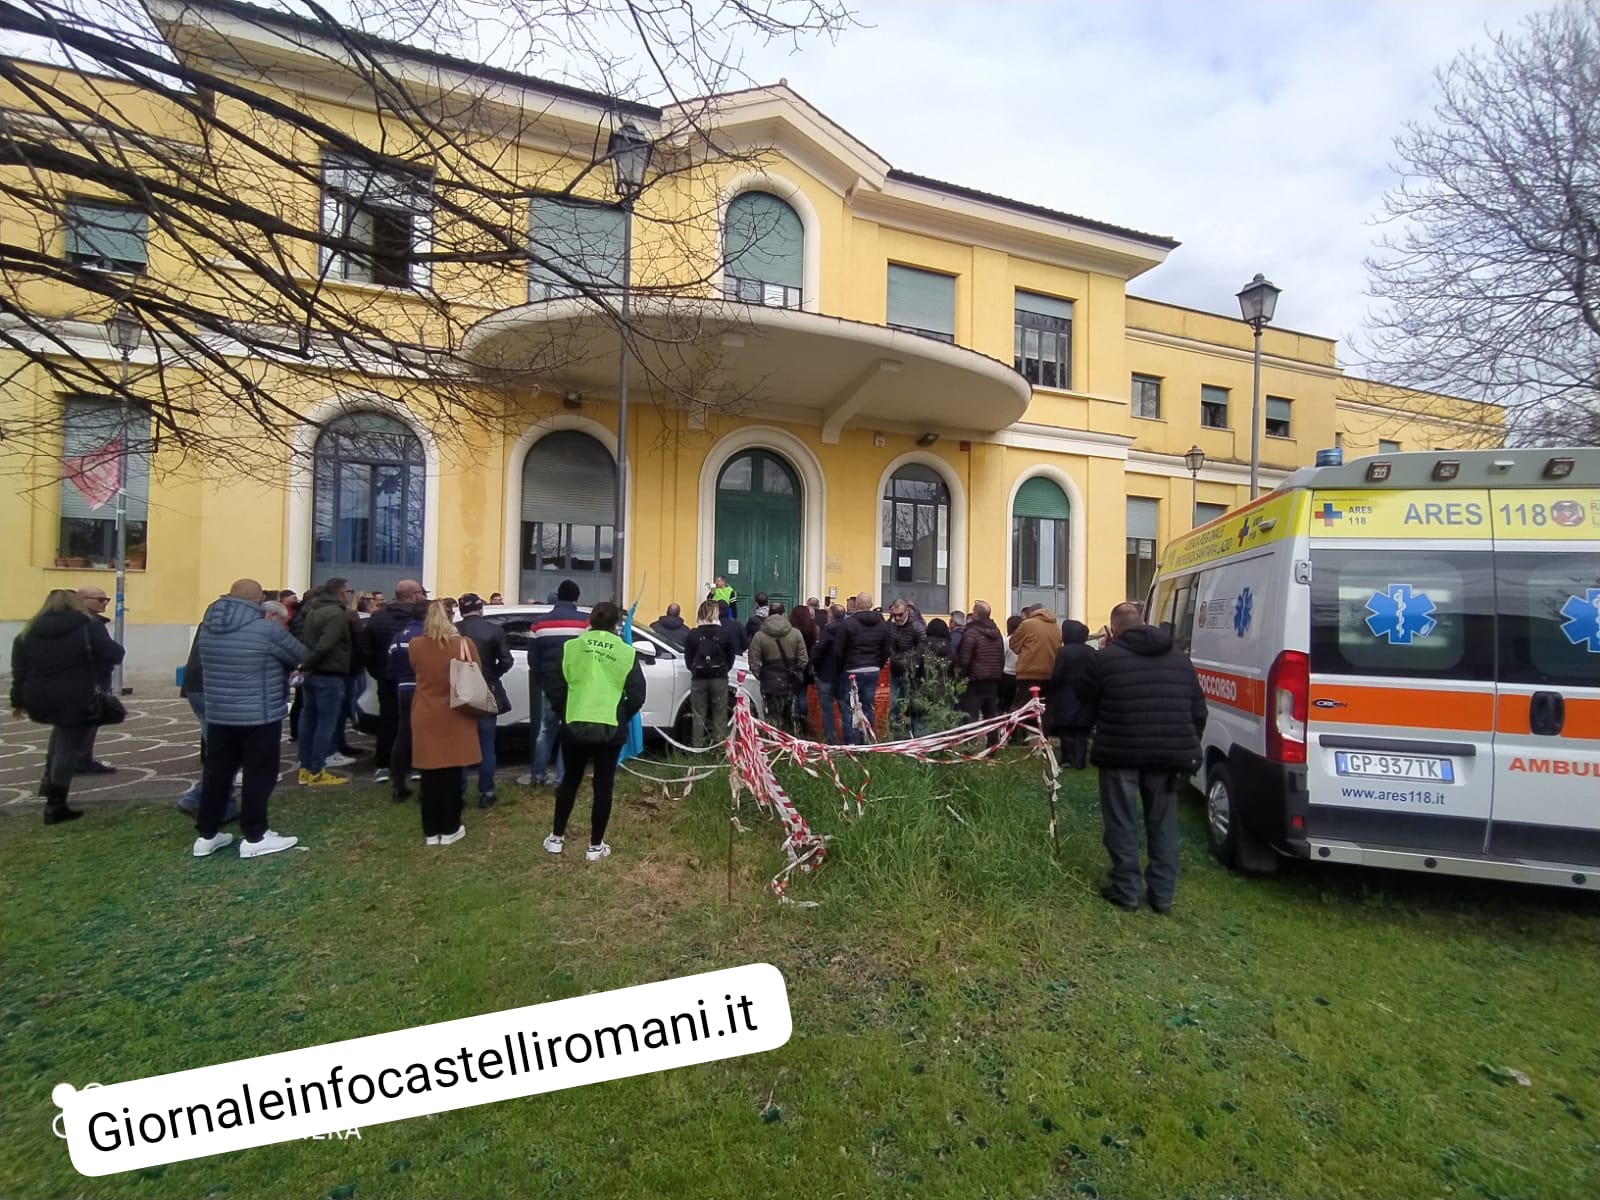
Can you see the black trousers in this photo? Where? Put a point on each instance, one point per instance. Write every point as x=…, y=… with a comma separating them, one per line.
x=388, y=723
x=86, y=750
x=294, y=714
x=574, y=758
x=1120, y=790
x=1074, y=748
x=400, y=755
x=981, y=701
x=67, y=748
x=230, y=748
x=1008, y=692
x=1024, y=692
x=443, y=797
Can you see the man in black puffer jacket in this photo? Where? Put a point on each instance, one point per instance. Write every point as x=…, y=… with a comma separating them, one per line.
x=863, y=644
x=1144, y=701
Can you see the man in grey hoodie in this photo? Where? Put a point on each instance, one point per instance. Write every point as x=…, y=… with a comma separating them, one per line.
x=777, y=655
x=246, y=659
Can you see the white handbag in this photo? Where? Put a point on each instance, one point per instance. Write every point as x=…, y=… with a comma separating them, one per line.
x=469, y=690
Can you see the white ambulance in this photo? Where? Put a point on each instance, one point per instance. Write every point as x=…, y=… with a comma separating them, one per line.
x=1402, y=656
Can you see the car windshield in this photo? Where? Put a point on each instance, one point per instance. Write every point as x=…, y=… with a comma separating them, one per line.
x=667, y=637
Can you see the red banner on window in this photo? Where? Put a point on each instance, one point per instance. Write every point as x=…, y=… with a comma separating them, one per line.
x=97, y=474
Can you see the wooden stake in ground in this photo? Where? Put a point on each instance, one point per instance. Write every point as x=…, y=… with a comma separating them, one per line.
x=732, y=821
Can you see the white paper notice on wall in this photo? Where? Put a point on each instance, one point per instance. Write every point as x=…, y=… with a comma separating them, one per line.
x=733, y=566
x=905, y=561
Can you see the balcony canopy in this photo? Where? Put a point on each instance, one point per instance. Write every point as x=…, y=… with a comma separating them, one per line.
x=797, y=365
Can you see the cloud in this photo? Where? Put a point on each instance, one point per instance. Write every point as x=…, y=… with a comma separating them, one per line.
x=1257, y=134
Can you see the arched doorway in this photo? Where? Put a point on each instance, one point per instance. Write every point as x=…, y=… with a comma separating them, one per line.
x=758, y=527
x=916, y=539
x=1041, y=543
x=569, y=483
x=369, y=502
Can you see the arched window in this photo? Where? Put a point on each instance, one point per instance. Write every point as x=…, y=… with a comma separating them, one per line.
x=763, y=251
x=1041, y=536
x=369, y=495
x=916, y=539
x=569, y=489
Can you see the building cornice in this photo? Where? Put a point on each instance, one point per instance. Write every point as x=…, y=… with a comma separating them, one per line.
x=1393, y=412
x=1194, y=345
x=1172, y=466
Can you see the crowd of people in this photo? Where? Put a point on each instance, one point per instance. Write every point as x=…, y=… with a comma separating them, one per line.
x=262, y=659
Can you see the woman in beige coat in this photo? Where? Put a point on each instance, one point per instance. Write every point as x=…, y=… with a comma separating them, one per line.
x=444, y=740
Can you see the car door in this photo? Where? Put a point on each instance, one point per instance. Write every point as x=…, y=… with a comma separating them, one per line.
x=515, y=680
x=1402, y=694
x=1547, y=727
x=662, y=666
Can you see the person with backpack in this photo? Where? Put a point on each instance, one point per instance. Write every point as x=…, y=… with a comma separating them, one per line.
x=779, y=661
x=709, y=649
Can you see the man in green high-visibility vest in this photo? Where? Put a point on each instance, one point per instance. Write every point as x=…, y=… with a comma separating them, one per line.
x=723, y=593
x=596, y=693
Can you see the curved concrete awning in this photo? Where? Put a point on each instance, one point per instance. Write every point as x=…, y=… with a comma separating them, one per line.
x=715, y=352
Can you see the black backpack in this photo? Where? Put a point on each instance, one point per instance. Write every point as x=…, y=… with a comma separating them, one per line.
x=710, y=656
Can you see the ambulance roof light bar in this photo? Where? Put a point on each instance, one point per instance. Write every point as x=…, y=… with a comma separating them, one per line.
x=1446, y=469
x=1378, y=471
x=1558, y=468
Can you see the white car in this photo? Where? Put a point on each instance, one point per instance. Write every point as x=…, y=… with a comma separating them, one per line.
x=666, y=674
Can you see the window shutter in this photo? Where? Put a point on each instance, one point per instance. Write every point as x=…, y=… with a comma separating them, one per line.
x=421, y=269
x=1142, y=516
x=764, y=240
x=88, y=425
x=569, y=478
x=1213, y=395
x=1206, y=513
x=573, y=240
x=1277, y=409
x=1040, y=497
x=1044, y=306
x=922, y=299
x=107, y=231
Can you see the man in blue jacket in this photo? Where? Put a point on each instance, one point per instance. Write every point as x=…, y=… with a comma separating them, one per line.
x=246, y=660
x=547, y=638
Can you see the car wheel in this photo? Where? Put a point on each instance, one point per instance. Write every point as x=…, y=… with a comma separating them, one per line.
x=1222, y=824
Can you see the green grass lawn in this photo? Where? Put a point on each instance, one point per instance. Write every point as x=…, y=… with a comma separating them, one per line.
x=970, y=1019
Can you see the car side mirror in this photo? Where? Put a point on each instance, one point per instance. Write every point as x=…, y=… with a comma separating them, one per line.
x=645, y=650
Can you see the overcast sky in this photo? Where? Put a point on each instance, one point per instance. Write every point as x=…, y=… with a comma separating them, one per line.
x=1258, y=135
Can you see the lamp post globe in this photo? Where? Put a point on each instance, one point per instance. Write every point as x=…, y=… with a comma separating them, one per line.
x=629, y=152
x=1194, y=459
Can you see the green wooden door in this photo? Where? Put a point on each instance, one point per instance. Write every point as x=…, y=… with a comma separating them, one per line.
x=757, y=543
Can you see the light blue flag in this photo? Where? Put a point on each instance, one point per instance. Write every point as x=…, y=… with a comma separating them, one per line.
x=635, y=743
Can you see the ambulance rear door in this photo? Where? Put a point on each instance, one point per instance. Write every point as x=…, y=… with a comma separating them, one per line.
x=1547, y=728
x=1400, y=739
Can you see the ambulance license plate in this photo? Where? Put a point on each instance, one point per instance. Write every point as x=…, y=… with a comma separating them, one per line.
x=1394, y=766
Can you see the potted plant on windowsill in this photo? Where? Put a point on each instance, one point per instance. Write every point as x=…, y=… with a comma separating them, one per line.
x=136, y=558
x=74, y=564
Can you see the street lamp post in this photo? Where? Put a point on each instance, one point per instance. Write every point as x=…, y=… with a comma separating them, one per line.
x=123, y=333
x=1194, y=460
x=1257, y=302
x=629, y=152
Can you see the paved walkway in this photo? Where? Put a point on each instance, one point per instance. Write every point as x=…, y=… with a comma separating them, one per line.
x=157, y=755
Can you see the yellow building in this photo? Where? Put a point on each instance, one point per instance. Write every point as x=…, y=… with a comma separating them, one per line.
x=865, y=380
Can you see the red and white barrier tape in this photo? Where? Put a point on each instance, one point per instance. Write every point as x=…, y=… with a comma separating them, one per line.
x=753, y=747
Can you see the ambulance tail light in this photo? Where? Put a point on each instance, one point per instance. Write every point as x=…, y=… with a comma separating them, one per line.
x=1288, y=699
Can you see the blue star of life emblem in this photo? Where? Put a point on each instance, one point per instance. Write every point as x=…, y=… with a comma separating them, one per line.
x=1241, y=611
x=1400, y=614
x=1582, y=626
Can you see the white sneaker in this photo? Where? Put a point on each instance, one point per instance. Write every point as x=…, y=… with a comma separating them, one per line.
x=450, y=839
x=339, y=760
x=270, y=843
x=210, y=845
x=238, y=779
x=381, y=775
x=554, y=844
x=525, y=780
x=596, y=853
x=431, y=841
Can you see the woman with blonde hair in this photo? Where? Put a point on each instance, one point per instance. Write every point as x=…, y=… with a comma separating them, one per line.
x=443, y=739
x=57, y=662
